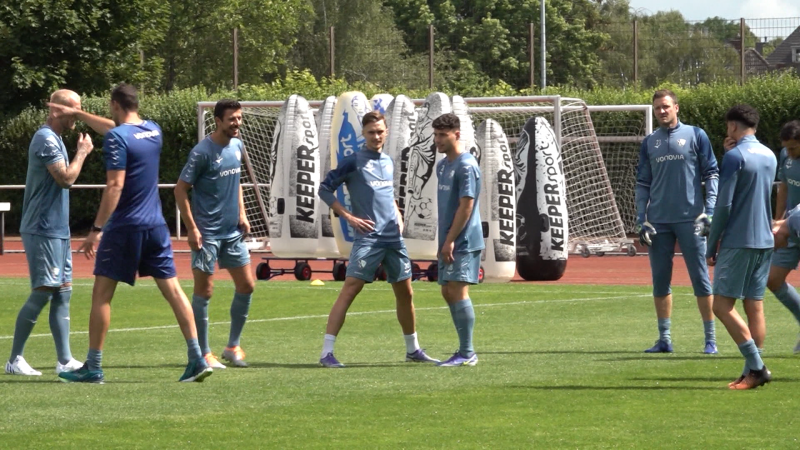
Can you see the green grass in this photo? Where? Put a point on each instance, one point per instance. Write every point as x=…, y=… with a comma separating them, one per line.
x=560, y=366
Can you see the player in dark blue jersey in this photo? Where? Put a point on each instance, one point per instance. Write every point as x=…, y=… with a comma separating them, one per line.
x=786, y=259
x=742, y=230
x=460, y=232
x=674, y=161
x=375, y=218
x=216, y=224
x=132, y=234
x=45, y=230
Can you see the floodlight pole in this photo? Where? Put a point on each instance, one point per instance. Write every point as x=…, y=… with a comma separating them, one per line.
x=544, y=46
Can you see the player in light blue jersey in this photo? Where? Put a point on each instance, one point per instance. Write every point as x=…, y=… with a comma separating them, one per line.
x=216, y=224
x=786, y=259
x=743, y=231
x=460, y=232
x=45, y=230
x=133, y=235
x=674, y=162
x=375, y=218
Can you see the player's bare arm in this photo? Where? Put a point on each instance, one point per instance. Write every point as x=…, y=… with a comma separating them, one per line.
x=780, y=200
x=100, y=125
x=464, y=211
x=244, y=224
x=400, y=222
x=182, y=200
x=64, y=175
x=362, y=225
x=115, y=181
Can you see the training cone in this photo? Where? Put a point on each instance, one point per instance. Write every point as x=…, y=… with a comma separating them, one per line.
x=317, y=283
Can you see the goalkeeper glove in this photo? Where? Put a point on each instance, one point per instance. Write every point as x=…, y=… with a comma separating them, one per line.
x=702, y=225
x=645, y=232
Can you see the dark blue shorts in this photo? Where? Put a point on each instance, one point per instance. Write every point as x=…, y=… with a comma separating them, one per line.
x=122, y=253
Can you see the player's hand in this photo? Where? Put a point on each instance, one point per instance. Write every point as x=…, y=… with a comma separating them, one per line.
x=363, y=226
x=85, y=144
x=58, y=110
x=728, y=143
x=646, y=233
x=446, y=253
x=702, y=225
x=89, y=243
x=781, y=233
x=711, y=261
x=195, y=239
x=244, y=225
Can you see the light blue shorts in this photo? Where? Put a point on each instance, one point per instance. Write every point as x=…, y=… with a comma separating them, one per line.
x=49, y=260
x=365, y=257
x=465, y=268
x=230, y=253
x=662, y=251
x=742, y=272
x=787, y=257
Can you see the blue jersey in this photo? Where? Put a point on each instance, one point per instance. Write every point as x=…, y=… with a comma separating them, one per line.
x=45, y=207
x=214, y=173
x=794, y=225
x=136, y=149
x=369, y=177
x=458, y=179
x=789, y=174
x=743, y=215
x=673, y=164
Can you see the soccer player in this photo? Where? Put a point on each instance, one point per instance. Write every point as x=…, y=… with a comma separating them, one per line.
x=216, y=224
x=460, y=232
x=45, y=230
x=133, y=234
x=786, y=259
x=742, y=229
x=674, y=161
x=375, y=218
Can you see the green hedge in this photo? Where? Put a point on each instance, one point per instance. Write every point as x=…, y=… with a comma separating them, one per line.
x=775, y=96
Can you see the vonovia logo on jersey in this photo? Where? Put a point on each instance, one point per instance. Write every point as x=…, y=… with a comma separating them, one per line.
x=302, y=224
x=503, y=212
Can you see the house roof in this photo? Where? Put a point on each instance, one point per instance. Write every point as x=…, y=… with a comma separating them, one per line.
x=783, y=52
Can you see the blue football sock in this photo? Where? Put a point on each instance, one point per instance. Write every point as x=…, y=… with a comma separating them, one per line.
x=26, y=319
x=239, y=310
x=200, y=308
x=94, y=359
x=59, y=323
x=751, y=355
x=464, y=319
x=708, y=327
x=663, y=330
x=193, y=349
x=790, y=299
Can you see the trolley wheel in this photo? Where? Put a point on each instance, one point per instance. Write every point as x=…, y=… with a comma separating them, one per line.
x=263, y=271
x=339, y=271
x=302, y=271
x=433, y=272
x=380, y=273
x=416, y=271
x=631, y=250
x=600, y=253
x=481, y=274
x=585, y=251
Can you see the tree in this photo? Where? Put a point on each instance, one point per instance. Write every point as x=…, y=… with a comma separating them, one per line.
x=87, y=46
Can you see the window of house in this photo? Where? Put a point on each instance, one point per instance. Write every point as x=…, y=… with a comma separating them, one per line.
x=796, y=54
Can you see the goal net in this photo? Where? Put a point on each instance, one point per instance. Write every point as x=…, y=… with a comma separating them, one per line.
x=599, y=147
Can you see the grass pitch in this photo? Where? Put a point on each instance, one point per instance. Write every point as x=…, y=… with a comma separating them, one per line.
x=560, y=367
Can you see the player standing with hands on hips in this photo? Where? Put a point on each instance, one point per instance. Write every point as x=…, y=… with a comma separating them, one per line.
x=674, y=161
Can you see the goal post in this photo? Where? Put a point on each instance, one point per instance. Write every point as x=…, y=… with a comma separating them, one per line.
x=599, y=147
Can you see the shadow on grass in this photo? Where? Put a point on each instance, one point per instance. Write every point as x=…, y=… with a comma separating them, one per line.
x=619, y=388
x=698, y=357
x=709, y=379
x=561, y=352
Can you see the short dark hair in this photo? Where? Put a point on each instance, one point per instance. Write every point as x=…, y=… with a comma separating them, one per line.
x=126, y=97
x=791, y=131
x=661, y=93
x=224, y=105
x=372, y=117
x=447, y=121
x=744, y=114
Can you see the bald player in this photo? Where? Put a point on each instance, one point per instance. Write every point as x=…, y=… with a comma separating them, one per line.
x=45, y=229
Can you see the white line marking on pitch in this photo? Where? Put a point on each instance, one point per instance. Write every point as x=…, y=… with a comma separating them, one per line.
x=356, y=313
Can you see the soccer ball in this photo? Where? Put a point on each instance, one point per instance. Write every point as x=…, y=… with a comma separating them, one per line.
x=424, y=208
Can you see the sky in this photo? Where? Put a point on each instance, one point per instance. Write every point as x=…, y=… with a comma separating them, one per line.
x=728, y=9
